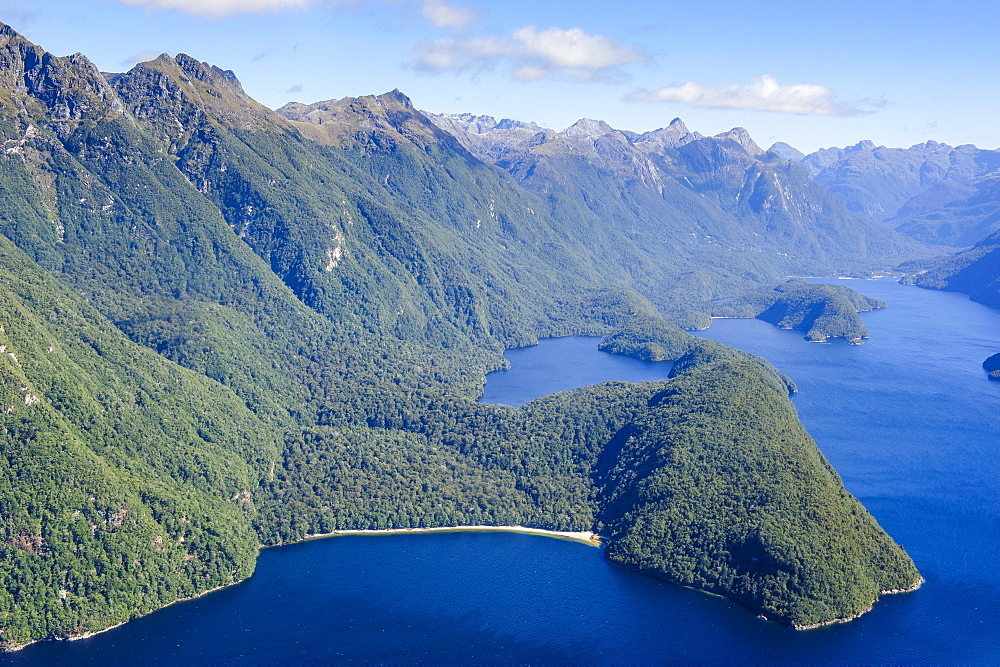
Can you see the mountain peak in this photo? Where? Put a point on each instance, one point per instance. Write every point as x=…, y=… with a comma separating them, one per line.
x=510, y=124
x=390, y=116
x=202, y=71
x=8, y=32
x=395, y=96
x=587, y=127
x=786, y=152
x=743, y=138
x=674, y=135
x=69, y=88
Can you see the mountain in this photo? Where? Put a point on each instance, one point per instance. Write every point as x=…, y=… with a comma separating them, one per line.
x=932, y=192
x=786, y=152
x=975, y=272
x=128, y=482
x=225, y=327
x=720, y=205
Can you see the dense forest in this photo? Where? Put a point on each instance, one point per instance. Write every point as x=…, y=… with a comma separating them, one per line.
x=823, y=311
x=224, y=328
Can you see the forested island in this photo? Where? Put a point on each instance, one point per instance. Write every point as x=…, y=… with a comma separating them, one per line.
x=992, y=366
x=224, y=328
x=823, y=311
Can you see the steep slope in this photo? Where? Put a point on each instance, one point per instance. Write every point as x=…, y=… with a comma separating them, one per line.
x=768, y=535
x=565, y=235
x=932, y=192
x=939, y=217
x=375, y=201
x=128, y=482
x=332, y=290
x=975, y=272
x=720, y=204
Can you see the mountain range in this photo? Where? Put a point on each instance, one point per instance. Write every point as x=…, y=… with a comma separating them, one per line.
x=932, y=192
x=225, y=327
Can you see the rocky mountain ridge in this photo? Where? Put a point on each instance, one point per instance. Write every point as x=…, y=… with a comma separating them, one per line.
x=933, y=192
x=672, y=188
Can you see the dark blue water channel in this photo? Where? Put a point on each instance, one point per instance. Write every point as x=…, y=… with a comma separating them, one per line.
x=908, y=419
x=559, y=364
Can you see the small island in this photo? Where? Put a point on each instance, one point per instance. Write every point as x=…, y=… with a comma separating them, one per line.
x=823, y=311
x=992, y=366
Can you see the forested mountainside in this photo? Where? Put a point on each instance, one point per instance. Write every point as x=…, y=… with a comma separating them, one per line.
x=975, y=272
x=223, y=328
x=932, y=192
x=721, y=199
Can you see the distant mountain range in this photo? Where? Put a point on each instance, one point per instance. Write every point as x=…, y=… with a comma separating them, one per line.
x=932, y=192
x=673, y=189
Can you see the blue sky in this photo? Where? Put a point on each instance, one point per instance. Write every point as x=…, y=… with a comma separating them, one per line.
x=810, y=74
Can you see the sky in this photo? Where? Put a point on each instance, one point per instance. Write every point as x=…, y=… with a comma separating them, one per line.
x=812, y=75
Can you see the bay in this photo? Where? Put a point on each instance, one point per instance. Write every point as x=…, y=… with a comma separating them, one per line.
x=908, y=419
x=564, y=363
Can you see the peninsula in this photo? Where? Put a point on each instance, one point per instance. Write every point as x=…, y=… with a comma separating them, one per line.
x=222, y=327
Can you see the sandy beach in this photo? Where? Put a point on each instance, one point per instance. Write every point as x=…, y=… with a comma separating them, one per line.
x=581, y=536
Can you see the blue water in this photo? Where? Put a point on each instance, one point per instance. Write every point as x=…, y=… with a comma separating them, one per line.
x=559, y=364
x=908, y=419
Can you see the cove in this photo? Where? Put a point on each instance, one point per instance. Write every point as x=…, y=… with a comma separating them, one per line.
x=908, y=419
x=558, y=364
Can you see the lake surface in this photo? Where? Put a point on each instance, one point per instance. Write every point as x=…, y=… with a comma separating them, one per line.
x=908, y=419
x=559, y=364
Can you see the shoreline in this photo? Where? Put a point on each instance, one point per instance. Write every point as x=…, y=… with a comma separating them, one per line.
x=93, y=633
x=585, y=536
x=847, y=619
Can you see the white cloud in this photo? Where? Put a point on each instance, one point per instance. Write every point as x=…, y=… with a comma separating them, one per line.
x=531, y=54
x=140, y=57
x=443, y=14
x=221, y=8
x=17, y=11
x=764, y=94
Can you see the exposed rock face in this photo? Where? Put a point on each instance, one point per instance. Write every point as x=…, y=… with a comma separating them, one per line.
x=673, y=188
x=674, y=135
x=786, y=152
x=742, y=137
x=933, y=192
